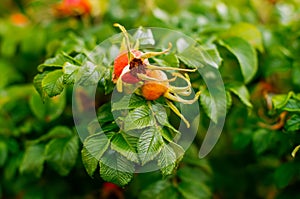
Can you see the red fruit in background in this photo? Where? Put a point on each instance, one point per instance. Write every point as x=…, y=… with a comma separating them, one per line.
x=110, y=190
x=19, y=19
x=121, y=62
x=72, y=8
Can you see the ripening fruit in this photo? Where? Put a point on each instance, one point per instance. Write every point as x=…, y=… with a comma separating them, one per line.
x=121, y=62
x=153, y=89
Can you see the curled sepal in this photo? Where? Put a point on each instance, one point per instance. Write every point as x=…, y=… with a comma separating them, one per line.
x=176, y=98
x=153, y=54
x=153, y=67
x=177, y=112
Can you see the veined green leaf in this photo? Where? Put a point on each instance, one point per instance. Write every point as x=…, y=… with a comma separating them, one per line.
x=94, y=147
x=116, y=168
x=150, y=144
x=241, y=91
x=70, y=73
x=167, y=160
x=245, y=54
x=128, y=102
x=61, y=154
x=139, y=118
x=33, y=160
x=53, y=83
x=89, y=74
x=126, y=146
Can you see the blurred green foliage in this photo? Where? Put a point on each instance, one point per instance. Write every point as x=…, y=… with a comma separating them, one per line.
x=257, y=45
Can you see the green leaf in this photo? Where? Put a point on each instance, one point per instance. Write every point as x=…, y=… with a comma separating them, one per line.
x=245, y=54
x=48, y=110
x=33, y=160
x=160, y=114
x=70, y=73
x=94, y=147
x=3, y=153
x=159, y=190
x=280, y=100
x=138, y=118
x=116, y=168
x=292, y=105
x=213, y=52
x=196, y=57
x=169, y=60
x=293, y=123
x=150, y=144
x=126, y=146
x=209, y=105
x=248, y=32
x=128, y=102
x=52, y=83
x=89, y=74
x=191, y=190
x=241, y=91
x=144, y=36
x=61, y=153
x=37, y=82
x=56, y=132
x=167, y=160
x=195, y=175
x=56, y=62
x=284, y=174
x=104, y=114
x=262, y=140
